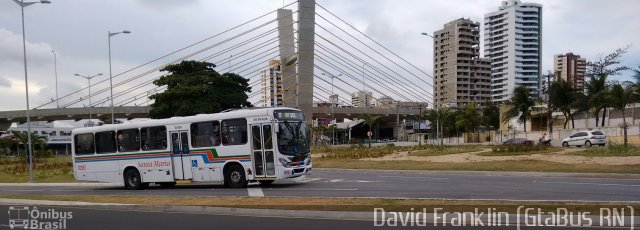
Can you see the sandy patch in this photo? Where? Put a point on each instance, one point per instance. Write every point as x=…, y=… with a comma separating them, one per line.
x=560, y=157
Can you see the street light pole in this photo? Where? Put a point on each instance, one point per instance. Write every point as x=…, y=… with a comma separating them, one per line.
x=55, y=69
x=110, y=74
x=89, y=80
x=22, y=5
x=435, y=105
x=332, y=105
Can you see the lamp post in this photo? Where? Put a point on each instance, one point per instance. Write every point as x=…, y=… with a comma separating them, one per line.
x=110, y=74
x=435, y=105
x=332, y=105
x=55, y=71
x=22, y=5
x=89, y=80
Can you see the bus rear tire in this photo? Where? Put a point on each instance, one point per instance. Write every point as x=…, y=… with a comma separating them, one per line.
x=235, y=178
x=133, y=181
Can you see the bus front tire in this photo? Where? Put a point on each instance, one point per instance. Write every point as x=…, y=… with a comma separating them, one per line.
x=235, y=178
x=133, y=181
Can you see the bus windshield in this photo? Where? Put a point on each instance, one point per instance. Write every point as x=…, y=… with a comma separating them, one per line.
x=292, y=138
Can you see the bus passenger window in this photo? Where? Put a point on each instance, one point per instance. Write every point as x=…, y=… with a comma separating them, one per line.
x=84, y=144
x=128, y=140
x=234, y=132
x=154, y=138
x=205, y=134
x=106, y=142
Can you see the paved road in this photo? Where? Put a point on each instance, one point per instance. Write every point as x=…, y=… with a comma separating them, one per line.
x=372, y=183
x=98, y=219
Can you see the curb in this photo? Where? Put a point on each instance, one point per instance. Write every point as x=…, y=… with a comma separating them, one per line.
x=200, y=209
x=378, y=218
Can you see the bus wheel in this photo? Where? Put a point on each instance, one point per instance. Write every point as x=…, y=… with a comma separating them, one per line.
x=167, y=184
x=132, y=180
x=265, y=182
x=234, y=178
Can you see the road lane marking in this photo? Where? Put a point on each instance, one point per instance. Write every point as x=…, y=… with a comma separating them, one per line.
x=578, y=183
x=255, y=191
x=316, y=189
x=310, y=180
x=417, y=177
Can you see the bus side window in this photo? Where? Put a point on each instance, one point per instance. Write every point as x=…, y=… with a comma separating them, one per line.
x=234, y=132
x=128, y=140
x=205, y=134
x=154, y=138
x=84, y=144
x=106, y=142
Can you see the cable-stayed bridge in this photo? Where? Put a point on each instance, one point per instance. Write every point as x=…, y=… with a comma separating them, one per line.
x=298, y=56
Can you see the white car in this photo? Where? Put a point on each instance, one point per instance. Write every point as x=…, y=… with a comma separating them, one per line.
x=586, y=138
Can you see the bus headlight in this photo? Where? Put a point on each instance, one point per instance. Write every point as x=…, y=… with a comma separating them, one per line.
x=285, y=162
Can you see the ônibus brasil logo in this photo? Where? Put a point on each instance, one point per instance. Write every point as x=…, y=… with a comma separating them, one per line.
x=24, y=217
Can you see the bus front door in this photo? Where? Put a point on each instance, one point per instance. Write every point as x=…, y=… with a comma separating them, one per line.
x=263, y=158
x=180, y=155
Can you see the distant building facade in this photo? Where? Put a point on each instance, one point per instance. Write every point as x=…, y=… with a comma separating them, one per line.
x=271, y=85
x=512, y=42
x=361, y=99
x=571, y=68
x=461, y=76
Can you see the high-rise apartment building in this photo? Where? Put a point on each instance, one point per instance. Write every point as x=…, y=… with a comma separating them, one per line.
x=460, y=75
x=272, y=85
x=361, y=99
x=512, y=41
x=571, y=68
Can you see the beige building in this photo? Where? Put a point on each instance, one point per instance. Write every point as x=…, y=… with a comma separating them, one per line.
x=385, y=102
x=571, y=68
x=361, y=99
x=460, y=75
x=271, y=85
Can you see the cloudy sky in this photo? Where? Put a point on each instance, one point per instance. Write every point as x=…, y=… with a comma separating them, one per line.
x=77, y=31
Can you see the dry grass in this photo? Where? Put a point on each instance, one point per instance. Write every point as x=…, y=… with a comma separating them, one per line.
x=326, y=204
x=445, y=150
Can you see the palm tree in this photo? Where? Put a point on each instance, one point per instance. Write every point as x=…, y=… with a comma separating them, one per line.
x=597, y=93
x=469, y=119
x=619, y=99
x=562, y=98
x=445, y=116
x=38, y=142
x=371, y=121
x=520, y=106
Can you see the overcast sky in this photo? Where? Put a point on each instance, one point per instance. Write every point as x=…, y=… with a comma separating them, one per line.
x=77, y=31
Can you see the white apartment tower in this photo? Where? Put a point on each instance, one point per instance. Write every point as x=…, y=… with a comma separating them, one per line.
x=271, y=85
x=512, y=42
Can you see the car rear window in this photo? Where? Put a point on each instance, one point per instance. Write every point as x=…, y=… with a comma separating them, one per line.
x=597, y=133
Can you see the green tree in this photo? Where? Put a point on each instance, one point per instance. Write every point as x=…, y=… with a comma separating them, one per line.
x=491, y=116
x=371, y=121
x=619, y=98
x=519, y=106
x=446, y=119
x=38, y=143
x=469, y=119
x=562, y=97
x=597, y=87
x=195, y=87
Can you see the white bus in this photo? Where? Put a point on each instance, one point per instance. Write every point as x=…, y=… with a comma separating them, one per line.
x=235, y=147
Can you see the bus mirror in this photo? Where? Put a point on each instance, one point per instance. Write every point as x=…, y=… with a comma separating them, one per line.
x=277, y=130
